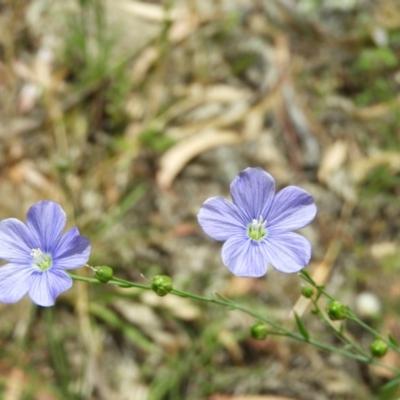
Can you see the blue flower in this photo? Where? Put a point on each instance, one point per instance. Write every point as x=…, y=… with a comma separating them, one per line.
x=257, y=226
x=38, y=255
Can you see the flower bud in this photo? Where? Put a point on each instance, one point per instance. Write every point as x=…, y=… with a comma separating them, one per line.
x=315, y=311
x=103, y=273
x=259, y=331
x=378, y=348
x=161, y=284
x=307, y=291
x=336, y=311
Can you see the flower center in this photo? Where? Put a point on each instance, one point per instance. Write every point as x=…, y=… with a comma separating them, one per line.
x=256, y=229
x=41, y=261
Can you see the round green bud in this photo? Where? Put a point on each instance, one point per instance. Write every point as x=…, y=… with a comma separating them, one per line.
x=259, y=331
x=161, y=284
x=314, y=311
x=103, y=273
x=336, y=311
x=378, y=348
x=307, y=291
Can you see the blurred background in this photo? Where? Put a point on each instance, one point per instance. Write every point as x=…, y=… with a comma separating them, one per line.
x=130, y=114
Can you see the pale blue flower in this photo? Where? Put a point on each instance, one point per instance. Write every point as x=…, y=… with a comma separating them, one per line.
x=257, y=225
x=38, y=255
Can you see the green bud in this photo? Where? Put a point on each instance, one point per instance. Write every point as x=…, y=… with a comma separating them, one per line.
x=307, y=291
x=259, y=331
x=161, y=284
x=336, y=311
x=103, y=273
x=314, y=311
x=378, y=348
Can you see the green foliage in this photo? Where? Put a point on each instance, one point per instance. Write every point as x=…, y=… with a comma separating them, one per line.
x=88, y=45
x=376, y=59
x=88, y=54
x=301, y=327
x=381, y=181
x=243, y=61
x=378, y=90
x=155, y=140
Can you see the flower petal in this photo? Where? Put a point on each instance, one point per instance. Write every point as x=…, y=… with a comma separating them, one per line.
x=15, y=280
x=293, y=208
x=219, y=219
x=252, y=192
x=72, y=252
x=48, y=285
x=16, y=242
x=287, y=252
x=46, y=221
x=244, y=257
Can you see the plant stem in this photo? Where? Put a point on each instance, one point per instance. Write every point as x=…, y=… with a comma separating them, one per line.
x=280, y=330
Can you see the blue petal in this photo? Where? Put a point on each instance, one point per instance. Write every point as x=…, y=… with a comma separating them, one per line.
x=48, y=285
x=15, y=281
x=287, y=252
x=46, y=221
x=293, y=208
x=220, y=219
x=252, y=192
x=16, y=242
x=244, y=257
x=72, y=252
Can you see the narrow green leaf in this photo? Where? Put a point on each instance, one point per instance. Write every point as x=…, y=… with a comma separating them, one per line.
x=307, y=277
x=393, y=341
x=301, y=327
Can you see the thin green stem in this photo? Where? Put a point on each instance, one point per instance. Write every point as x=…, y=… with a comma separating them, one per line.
x=280, y=330
x=350, y=314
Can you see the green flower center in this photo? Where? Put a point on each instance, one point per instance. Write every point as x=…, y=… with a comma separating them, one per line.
x=41, y=261
x=256, y=229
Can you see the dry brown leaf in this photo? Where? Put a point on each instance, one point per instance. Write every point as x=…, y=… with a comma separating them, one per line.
x=238, y=286
x=249, y=397
x=375, y=111
x=151, y=12
x=182, y=28
x=25, y=172
x=143, y=63
x=391, y=359
x=361, y=168
x=227, y=339
x=383, y=249
x=178, y=306
x=18, y=126
x=17, y=381
x=333, y=159
x=253, y=125
x=174, y=160
x=219, y=93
